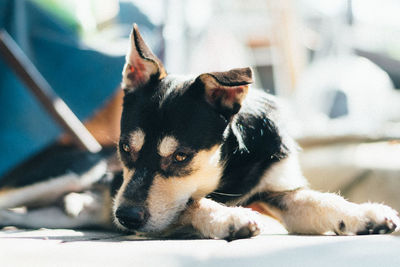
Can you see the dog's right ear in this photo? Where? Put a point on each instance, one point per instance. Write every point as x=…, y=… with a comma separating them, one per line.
x=225, y=91
x=141, y=64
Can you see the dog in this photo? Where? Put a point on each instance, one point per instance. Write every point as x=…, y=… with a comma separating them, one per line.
x=194, y=152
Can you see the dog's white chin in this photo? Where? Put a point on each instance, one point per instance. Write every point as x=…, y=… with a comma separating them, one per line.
x=161, y=221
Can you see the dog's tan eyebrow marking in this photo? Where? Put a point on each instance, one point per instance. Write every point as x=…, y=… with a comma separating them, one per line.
x=136, y=139
x=167, y=146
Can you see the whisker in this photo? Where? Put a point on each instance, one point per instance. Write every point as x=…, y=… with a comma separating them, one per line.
x=227, y=194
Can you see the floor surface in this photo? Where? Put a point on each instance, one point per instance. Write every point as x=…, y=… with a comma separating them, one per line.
x=63, y=247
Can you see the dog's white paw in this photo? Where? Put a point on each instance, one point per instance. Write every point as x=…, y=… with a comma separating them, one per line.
x=235, y=223
x=372, y=218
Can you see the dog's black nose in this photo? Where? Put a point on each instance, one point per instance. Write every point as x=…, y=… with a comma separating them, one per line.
x=132, y=217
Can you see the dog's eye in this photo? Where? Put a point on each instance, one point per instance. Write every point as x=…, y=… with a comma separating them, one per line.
x=180, y=157
x=126, y=147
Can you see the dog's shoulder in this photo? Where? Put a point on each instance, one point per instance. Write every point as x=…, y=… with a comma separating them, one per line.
x=253, y=142
x=257, y=130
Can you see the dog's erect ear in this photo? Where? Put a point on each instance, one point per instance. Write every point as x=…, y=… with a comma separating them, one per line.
x=141, y=64
x=225, y=91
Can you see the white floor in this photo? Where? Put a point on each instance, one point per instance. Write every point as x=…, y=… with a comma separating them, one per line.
x=74, y=248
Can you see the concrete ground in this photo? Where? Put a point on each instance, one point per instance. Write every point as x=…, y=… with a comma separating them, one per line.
x=63, y=247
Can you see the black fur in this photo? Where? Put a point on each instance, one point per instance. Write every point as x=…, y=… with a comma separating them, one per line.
x=261, y=146
x=139, y=185
x=274, y=199
x=168, y=112
x=115, y=183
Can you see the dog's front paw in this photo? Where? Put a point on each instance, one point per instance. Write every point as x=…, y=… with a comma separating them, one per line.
x=214, y=220
x=235, y=223
x=373, y=219
x=379, y=219
x=247, y=231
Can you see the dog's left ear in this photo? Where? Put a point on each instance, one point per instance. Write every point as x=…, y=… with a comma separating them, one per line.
x=225, y=91
x=141, y=64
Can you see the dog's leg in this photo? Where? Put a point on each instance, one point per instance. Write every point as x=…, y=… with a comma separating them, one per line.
x=214, y=220
x=306, y=211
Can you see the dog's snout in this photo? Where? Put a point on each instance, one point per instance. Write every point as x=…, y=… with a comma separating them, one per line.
x=132, y=217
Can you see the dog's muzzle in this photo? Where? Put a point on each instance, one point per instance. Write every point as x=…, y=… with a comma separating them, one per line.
x=132, y=218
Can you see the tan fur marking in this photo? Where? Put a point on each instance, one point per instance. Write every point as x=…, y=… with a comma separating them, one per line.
x=127, y=174
x=167, y=146
x=168, y=196
x=137, y=140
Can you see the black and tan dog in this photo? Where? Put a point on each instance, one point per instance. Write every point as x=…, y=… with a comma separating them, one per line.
x=193, y=151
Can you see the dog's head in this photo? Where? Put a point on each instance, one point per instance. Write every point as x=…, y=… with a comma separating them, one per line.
x=171, y=131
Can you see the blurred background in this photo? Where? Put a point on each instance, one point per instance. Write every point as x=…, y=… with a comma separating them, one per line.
x=335, y=65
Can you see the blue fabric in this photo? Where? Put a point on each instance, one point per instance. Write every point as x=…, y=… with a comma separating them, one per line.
x=84, y=78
